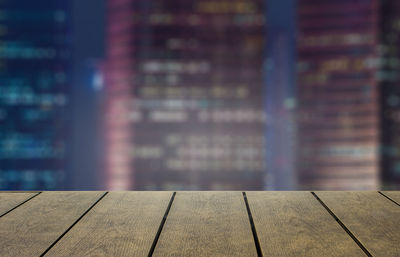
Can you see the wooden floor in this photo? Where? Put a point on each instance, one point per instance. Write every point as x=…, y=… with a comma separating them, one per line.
x=200, y=224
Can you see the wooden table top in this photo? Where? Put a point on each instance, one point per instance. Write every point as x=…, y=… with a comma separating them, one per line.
x=200, y=224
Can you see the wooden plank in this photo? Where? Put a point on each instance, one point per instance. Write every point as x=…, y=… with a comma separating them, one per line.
x=31, y=228
x=11, y=200
x=122, y=224
x=296, y=224
x=394, y=195
x=207, y=224
x=374, y=220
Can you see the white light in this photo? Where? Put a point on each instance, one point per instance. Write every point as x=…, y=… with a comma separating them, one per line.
x=98, y=81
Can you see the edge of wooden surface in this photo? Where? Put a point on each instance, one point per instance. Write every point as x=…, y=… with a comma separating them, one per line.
x=130, y=232
x=393, y=196
x=198, y=226
x=8, y=206
x=55, y=243
x=55, y=214
x=289, y=222
x=369, y=217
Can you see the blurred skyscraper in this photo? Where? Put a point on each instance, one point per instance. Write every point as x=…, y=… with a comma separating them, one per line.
x=87, y=159
x=390, y=92
x=34, y=62
x=280, y=93
x=185, y=94
x=338, y=51
x=87, y=146
x=280, y=109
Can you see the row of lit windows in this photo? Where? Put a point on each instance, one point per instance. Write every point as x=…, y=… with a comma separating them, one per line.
x=340, y=64
x=23, y=83
x=326, y=78
x=220, y=152
x=230, y=165
x=176, y=67
x=247, y=45
x=167, y=116
x=247, y=50
x=335, y=40
x=13, y=99
x=239, y=116
x=202, y=151
x=176, y=104
x=24, y=152
x=243, y=74
x=317, y=78
x=24, y=146
x=147, y=152
x=216, y=116
x=194, y=92
x=219, y=7
x=29, y=179
x=351, y=151
x=214, y=139
x=15, y=51
x=194, y=20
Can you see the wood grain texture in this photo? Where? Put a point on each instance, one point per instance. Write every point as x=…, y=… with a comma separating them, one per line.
x=374, y=220
x=10, y=200
x=31, y=228
x=296, y=224
x=207, y=224
x=394, y=195
x=121, y=224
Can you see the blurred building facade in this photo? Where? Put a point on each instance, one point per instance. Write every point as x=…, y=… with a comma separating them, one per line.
x=87, y=129
x=280, y=96
x=338, y=92
x=34, y=62
x=280, y=105
x=184, y=86
x=200, y=94
x=389, y=77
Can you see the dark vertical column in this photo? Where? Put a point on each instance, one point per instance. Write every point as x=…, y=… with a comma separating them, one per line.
x=280, y=101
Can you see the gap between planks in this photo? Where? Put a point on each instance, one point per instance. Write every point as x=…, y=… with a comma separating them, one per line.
x=252, y=225
x=160, y=228
x=342, y=225
x=30, y=198
x=253, y=228
x=94, y=204
x=73, y=224
x=387, y=197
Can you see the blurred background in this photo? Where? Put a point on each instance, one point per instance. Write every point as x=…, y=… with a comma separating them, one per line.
x=199, y=94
